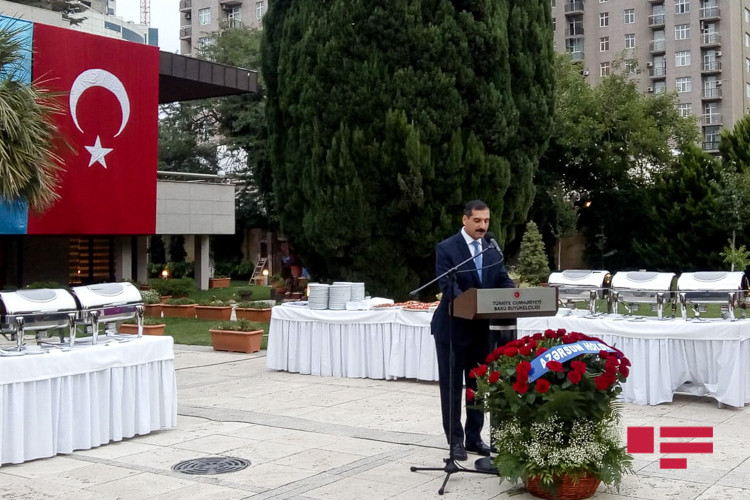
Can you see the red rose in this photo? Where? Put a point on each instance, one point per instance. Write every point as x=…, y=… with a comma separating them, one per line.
x=578, y=366
x=624, y=370
x=610, y=369
x=610, y=378
x=542, y=385
x=555, y=366
x=568, y=339
x=625, y=361
x=525, y=350
x=603, y=354
x=526, y=339
x=601, y=383
x=490, y=358
x=473, y=373
x=469, y=394
x=511, y=351
x=533, y=344
x=494, y=377
x=537, y=336
x=520, y=387
x=574, y=377
x=481, y=370
x=523, y=367
x=540, y=351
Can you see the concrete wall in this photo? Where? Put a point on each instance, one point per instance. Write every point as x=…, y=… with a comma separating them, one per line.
x=194, y=208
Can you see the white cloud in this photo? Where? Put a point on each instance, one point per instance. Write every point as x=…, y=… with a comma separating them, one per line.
x=165, y=15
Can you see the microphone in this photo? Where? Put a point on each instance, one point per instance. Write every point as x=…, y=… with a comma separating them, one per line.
x=493, y=243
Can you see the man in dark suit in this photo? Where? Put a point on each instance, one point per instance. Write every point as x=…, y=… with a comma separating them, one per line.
x=470, y=338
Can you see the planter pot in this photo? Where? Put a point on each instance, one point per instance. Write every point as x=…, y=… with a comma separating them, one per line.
x=175, y=311
x=164, y=298
x=258, y=315
x=566, y=489
x=217, y=313
x=235, y=341
x=153, y=310
x=147, y=329
x=218, y=282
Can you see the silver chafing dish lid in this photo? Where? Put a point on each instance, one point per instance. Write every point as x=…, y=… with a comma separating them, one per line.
x=37, y=301
x=579, y=278
x=642, y=280
x=712, y=281
x=107, y=294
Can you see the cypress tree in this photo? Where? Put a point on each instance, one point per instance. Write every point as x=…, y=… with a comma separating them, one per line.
x=532, y=261
x=385, y=117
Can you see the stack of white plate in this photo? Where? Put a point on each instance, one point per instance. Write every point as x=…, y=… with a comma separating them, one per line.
x=358, y=291
x=318, y=298
x=339, y=295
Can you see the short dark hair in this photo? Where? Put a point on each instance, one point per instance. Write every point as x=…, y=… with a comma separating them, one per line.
x=474, y=205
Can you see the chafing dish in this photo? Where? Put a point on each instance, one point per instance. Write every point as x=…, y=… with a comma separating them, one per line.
x=37, y=310
x=713, y=287
x=108, y=303
x=578, y=285
x=642, y=287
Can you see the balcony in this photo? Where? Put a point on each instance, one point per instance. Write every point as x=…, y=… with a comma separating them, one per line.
x=574, y=32
x=711, y=94
x=710, y=40
x=230, y=3
x=711, y=146
x=656, y=46
x=711, y=119
x=232, y=24
x=574, y=8
x=186, y=32
x=656, y=21
x=710, y=13
x=656, y=1
x=657, y=72
x=186, y=4
x=576, y=56
x=711, y=67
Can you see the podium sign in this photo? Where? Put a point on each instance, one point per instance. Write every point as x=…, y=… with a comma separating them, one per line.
x=495, y=303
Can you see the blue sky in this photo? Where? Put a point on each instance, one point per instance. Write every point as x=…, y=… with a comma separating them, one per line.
x=164, y=15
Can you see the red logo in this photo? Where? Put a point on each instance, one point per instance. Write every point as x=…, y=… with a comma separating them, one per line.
x=641, y=440
x=517, y=294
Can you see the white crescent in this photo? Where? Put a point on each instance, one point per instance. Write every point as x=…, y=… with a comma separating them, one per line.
x=99, y=78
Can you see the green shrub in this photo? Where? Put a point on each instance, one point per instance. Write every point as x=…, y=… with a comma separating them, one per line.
x=45, y=284
x=213, y=301
x=180, y=269
x=181, y=302
x=150, y=296
x=182, y=286
x=242, y=325
x=147, y=321
x=532, y=260
x=244, y=270
x=255, y=304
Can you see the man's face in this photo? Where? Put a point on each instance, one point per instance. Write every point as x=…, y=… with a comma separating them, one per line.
x=477, y=223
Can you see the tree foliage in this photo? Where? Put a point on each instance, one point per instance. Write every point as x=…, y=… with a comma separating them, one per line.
x=385, y=117
x=734, y=145
x=532, y=261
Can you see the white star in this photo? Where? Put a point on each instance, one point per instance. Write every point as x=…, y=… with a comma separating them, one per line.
x=98, y=153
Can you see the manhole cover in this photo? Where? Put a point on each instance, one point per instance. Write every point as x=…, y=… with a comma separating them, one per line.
x=211, y=465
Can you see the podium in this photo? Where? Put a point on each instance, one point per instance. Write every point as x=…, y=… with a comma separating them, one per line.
x=501, y=303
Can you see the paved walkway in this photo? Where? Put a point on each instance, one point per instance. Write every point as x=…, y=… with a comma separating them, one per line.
x=332, y=438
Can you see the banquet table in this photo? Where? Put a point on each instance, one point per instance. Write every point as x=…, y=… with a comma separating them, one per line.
x=66, y=400
x=709, y=357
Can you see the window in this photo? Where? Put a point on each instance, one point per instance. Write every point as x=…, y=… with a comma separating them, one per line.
x=604, y=19
x=631, y=66
x=552, y=3
x=747, y=39
x=259, y=10
x=747, y=65
x=685, y=109
x=747, y=89
x=602, y=1
x=681, y=6
x=604, y=69
x=683, y=84
x=204, y=16
x=682, y=58
x=682, y=32
x=629, y=16
x=747, y=15
x=630, y=41
x=604, y=44
x=554, y=24
x=660, y=86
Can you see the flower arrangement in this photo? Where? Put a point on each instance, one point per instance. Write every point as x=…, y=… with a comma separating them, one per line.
x=555, y=419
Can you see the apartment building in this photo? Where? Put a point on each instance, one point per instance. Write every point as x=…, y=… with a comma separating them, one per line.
x=701, y=48
x=200, y=18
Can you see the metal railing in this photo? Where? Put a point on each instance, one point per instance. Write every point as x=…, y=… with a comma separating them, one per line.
x=710, y=13
x=657, y=45
x=711, y=66
x=573, y=7
x=712, y=93
x=186, y=4
x=656, y=20
x=186, y=31
x=711, y=119
x=574, y=32
x=710, y=39
x=658, y=71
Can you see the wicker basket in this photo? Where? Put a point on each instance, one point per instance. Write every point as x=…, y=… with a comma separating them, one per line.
x=566, y=487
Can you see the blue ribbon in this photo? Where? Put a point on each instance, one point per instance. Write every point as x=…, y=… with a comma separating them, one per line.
x=563, y=353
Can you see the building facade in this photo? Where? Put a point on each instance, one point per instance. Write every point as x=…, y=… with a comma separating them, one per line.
x=700, y=48
x=199, y=19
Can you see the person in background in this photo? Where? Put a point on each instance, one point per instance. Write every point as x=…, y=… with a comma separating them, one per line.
x=470, y=337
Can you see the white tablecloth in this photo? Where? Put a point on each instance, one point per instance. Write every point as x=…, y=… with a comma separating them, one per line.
x=59, y=402
x=708, y=357
x=377, y=344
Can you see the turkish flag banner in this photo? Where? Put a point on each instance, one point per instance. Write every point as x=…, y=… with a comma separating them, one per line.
x=109, y=90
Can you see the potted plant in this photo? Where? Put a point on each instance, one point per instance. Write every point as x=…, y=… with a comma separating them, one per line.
x=179, y=308
x=554, y=419
x=151, y=303
x=258, y=310
x=237, y=336
x=219, y=282
x=244, y=293
x=151, y=326
x=214, y=309
x=278, y=283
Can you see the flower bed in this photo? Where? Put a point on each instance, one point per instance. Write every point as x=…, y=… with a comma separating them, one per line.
x=555, y=421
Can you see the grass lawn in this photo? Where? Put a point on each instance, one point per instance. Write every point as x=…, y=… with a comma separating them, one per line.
x=195, y=331
x=231, y=292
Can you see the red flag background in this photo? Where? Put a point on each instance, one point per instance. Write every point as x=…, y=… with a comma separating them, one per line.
x=109, y=188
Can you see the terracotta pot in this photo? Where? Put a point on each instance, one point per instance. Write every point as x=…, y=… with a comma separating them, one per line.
x=235, y=341
x=258, y=315
x=260, y=281
x=147, y=329
x=153, y=310
x=164, y=298
x=175, y=311
x=566, y=488
x=217, y=313
x=218, y=282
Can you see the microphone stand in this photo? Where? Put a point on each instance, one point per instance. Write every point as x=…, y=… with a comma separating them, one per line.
x=451, y=467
